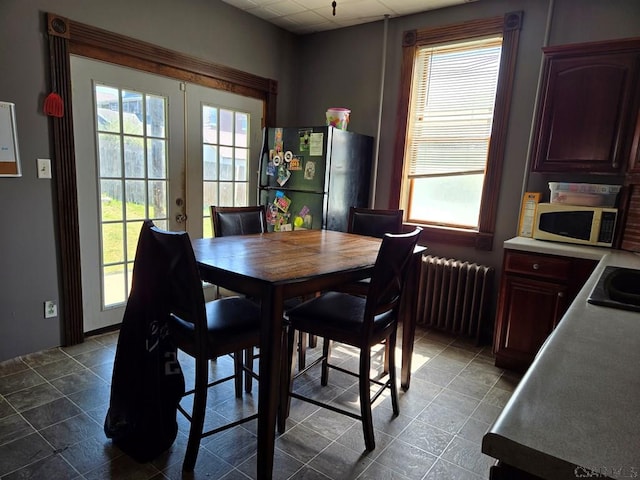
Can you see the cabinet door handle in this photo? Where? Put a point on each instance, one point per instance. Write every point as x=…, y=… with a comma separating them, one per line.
x=561, y=294
x=536, y=266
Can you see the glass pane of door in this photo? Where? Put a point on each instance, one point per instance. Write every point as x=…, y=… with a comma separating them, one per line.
x=132, y=165
x=225, y=154
x=225, y=151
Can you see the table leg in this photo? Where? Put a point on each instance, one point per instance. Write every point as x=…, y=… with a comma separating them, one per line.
x=408, y=311
x=270, y=346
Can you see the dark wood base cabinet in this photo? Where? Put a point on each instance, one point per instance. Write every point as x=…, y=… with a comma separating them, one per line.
x=501, y=471
x=535, y=291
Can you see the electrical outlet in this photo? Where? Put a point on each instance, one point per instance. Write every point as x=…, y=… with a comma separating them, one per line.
x=50, y=309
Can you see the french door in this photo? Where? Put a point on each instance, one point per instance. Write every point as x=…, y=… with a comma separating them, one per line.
x=151, y=147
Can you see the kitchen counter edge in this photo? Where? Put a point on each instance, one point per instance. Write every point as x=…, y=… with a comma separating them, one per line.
x=576, y=410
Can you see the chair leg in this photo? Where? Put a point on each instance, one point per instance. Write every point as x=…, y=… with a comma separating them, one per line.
x=248, y=363
x=386, y=357
x=313, y=340
x=237, y=372
x=365, y=399
x=197, y=414
x=326, y=353
x=302, y=350
x=393, y=385
x=286, y=378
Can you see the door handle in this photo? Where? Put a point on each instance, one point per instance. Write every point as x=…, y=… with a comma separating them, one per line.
x=181, y=218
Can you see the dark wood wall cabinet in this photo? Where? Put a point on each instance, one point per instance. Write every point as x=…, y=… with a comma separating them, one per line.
x=535, y=292
x=587, y=117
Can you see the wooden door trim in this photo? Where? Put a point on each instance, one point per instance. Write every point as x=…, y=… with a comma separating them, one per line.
x=67, y=37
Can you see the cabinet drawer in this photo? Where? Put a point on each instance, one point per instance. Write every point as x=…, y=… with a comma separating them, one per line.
x=542, y=266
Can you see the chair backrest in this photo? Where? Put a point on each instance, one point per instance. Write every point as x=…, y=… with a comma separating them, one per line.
x=388, y=278
x=374, y=222
x=144, y=393
x=238, y=220
x=179, y=284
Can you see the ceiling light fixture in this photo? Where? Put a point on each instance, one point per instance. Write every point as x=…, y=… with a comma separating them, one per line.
x=334, y=5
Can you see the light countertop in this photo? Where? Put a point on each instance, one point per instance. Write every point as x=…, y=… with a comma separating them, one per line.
x=555, y=248
x=578, y=405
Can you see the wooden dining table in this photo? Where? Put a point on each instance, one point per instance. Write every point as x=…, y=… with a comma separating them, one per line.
x=273, y=267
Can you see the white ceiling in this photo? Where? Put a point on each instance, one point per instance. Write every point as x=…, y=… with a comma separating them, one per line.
x=308, y=16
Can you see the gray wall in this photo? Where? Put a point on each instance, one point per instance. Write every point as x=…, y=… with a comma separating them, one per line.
x=337, y=79
x=336, y=68
x=354, y=80
x=208, y=29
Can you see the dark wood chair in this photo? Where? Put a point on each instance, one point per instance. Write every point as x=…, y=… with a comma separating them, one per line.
x=362, y=322
x=203, y=330
x=228, y=221
x=363, y=221
x=373, y=223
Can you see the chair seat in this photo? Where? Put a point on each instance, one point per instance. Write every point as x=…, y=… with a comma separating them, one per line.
x=337, y=315
x=233, y=323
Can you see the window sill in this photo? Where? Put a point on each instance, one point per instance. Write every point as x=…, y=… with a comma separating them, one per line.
x=453, y=236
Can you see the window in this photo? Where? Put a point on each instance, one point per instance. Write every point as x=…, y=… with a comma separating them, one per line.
x=450, y=118
x=455, y=94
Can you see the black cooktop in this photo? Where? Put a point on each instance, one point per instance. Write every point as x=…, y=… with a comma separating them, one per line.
x=601, y=296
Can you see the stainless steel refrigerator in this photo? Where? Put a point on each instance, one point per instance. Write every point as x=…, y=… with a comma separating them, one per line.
x=310, y=176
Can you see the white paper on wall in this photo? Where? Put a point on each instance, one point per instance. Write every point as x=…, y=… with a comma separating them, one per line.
x=9, y=157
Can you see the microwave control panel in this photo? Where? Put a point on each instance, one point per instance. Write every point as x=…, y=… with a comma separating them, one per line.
x=607, y=227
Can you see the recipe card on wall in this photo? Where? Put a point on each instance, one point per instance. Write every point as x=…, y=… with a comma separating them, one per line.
x=9, y=158
x=530, y=202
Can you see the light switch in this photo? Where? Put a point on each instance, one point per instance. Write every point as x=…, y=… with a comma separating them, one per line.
x=44, y=168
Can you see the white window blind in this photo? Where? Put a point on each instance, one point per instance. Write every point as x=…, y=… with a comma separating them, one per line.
x=452, y=108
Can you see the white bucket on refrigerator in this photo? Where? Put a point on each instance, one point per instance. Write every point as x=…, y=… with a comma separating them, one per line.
x=338, y=117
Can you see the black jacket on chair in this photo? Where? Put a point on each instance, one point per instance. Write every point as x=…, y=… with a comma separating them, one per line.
x=147, y=381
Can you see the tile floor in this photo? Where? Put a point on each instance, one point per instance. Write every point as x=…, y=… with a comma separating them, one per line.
x=53, y=405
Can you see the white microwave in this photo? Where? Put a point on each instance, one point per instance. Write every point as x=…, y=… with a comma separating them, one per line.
x=575, y=224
